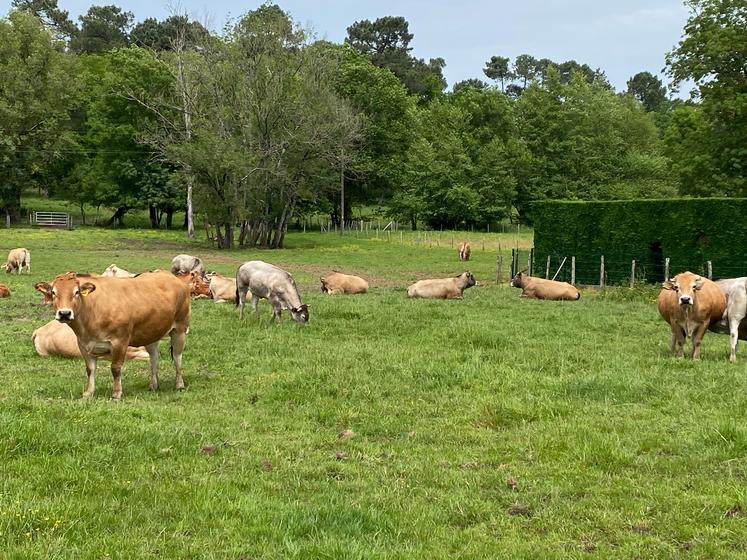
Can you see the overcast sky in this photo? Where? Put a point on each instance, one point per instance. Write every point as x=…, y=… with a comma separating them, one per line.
x=622, y=37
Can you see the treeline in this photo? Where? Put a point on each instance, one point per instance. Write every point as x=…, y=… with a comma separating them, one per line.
x=260, y=123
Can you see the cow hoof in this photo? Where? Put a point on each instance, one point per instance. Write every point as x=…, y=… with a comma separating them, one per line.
x=117, y=398
x=153, y=387
x=86, y=396
x=733, y=359
x=180, y=387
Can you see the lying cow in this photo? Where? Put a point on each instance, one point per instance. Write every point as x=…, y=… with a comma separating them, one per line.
x=183, y=264
x=110, y=314
x=274, y=284
x=732, y=322
x=58, y=339
x=113, y=271
x=198, y=287
x=539, y=288
x=17, y=260
x=338, y=283
x=4, y=291
x=442, y=288
x=222, y=289
x=690, y=304
x=464, y=251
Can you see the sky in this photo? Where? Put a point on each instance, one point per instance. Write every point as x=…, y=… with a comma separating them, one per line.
x=621, y=37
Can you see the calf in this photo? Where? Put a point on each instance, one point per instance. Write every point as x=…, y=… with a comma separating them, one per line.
x=109, y=314
x=464, y=251
x=274, y=284
x=183, y=264
x=539, y=288
x=17, y=260
x=222, y=289
x=732, y=322
x=113, y=271
x=442, y=288
x=4, y=291
x=338, y=283
x=690, y=304
x=58, y=339
x=198, y=287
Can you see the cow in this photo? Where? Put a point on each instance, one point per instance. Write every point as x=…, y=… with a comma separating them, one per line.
x=732, y=322
x=17, y=260
x=182, y=264
x=198, y=287
x=274, y=284
x=442, y=288
x=539, y=288
x=113, y=271
x=58, y=339
x=464, y=251
x=690, y=304
x=338, y=283
x=4, y=291
x=109, y=314
x=222, y=289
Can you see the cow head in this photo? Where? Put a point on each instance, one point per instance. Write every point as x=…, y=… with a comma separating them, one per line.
x=66, y=292
x=468, y=279
x=8, y=267
x=198, y=286
x=685, y=285
x=300, y=314
x=518, y=280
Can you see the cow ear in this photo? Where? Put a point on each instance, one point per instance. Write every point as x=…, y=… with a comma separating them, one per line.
x=667, y=285
x=87, y=288
x=43, y=287
x=698, y=284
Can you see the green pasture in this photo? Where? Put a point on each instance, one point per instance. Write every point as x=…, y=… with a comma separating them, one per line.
x=488, y=427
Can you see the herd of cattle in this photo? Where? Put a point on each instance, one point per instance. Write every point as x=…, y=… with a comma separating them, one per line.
x=118, y=315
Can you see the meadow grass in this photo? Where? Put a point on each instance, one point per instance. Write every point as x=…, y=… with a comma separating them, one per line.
x=490, y=427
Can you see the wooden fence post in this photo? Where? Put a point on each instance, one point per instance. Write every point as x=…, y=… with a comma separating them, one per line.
x=512, y=268
x=499, y=269
x=601, y=272
x=666, y=269
x=547, y=269
x=632, y=273
x=530, y=262
x=710, y=270
x=573, y=271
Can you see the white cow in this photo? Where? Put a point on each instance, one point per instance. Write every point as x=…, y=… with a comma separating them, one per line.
x=735, y=290
x=273, y=284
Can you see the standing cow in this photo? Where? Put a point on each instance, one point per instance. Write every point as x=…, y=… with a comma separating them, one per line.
x=109, y=314
x=442, y=288
x=690, y=304
x=17, y=260
x=464, y=251
x=274, y=284
x=184, y=264
x=735, y=290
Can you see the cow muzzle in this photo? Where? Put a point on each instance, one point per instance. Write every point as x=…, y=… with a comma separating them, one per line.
x=64, y=315
x=686, y=300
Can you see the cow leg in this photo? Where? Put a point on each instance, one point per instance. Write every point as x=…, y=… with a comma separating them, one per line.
x=678, y=341
x=118, y=358
x=178, y=341
x=241, y=294
x=154, y=355
x=734, y=320
x=90, y=376
x=255, y=301
x=697, y=337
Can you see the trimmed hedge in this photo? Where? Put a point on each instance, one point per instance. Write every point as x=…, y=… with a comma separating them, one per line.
x=688, y=231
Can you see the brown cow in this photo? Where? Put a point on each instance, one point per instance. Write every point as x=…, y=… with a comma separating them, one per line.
x=198, y=287
x=442, y=288
x=690, y=304
x=110, y=314
x=464, y=251
x=222, y=289
x=539, y=288
x=58, y=339
x=17, y=260
x=4, y=291
x=338, y=283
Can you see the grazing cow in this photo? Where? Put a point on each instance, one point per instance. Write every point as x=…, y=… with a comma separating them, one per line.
x=58, y=339
x=182, y=264
x=110, y=314
x=442, y=288
x=338, y=283
x=274, y=284
x=222, y=289
x=17, y=260
x=198, y=287
x=464, y=251
x=690, y=304
x=732, y=322
x=113, y=271
x=4, y=291
x=539, y=288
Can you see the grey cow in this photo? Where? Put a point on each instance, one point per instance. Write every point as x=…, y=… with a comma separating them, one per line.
x=184, y=264
x=274, y=284
x=735, y=290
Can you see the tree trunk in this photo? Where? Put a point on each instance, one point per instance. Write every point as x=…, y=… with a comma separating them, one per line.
x=117, y=218
x=169, y=217
x=12, y=207
x=83, y=212
x=414, y=223
x=153, y=215
x=229, y=236
x=244, y=232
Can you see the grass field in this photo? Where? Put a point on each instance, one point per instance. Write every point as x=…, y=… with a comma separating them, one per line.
x=490, y=427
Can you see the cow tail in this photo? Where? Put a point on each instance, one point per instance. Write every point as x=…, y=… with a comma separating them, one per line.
x=237, y=294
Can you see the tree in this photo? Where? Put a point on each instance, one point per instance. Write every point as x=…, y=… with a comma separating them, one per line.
x=497, y=69
x=162, y=35
x=647, y=89
x=102, y=28
x=525, y=68
x=50, y=14
x=36, y=93
x=469, y=83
